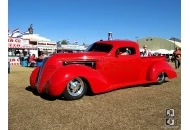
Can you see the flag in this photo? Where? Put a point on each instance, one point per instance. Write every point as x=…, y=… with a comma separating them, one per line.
x=15, y=31
x=24, y=33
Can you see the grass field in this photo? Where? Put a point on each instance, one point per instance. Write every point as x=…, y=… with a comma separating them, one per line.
x=136, y=108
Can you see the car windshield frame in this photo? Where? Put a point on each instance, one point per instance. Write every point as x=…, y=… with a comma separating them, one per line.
x=99, y=47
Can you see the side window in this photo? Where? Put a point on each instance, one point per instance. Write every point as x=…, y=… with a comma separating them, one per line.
x=126, y=51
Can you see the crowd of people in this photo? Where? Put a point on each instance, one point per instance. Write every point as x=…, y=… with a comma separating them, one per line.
x=33, y=59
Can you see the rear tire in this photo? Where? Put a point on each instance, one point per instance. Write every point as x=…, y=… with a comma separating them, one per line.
x=75, y=89
x=161, y=78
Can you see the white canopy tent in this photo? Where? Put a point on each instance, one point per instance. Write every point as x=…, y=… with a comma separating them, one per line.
x=153, y=51
x=171, y=51
x=162, y=51
x=159, y=51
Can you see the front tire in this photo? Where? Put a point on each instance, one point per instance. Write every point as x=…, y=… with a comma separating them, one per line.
x=161, y=78
x=75, y=89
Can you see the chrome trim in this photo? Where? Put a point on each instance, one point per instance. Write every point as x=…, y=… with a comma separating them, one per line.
x=87, y=63
x=40, y=72
x=80, y=62
x=45, y=89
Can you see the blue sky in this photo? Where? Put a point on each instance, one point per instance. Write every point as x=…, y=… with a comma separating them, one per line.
x=91, y=20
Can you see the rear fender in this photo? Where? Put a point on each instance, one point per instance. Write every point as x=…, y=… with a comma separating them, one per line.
x=33, y=77
x=58, y=81
x=157, y=67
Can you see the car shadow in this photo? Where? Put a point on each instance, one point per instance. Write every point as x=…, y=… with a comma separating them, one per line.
x=129, y=87
x=43, y=96
x=34, y=91
x=89, y=93
x=150, y=84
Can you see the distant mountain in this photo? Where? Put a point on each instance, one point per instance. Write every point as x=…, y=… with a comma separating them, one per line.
x=175, y=39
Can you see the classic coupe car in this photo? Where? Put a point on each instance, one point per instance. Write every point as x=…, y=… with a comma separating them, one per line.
x=101, y=68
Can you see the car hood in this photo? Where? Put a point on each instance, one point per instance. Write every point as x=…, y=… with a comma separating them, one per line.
x=80, y=56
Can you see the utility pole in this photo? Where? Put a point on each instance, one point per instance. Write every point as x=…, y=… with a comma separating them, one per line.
x=137, y=39
x=110, y=36
x=84, y=41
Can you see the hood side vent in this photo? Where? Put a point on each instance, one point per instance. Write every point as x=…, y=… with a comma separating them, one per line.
x=91, y=64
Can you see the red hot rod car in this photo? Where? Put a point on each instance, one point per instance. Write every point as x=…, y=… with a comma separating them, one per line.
x=101, y=68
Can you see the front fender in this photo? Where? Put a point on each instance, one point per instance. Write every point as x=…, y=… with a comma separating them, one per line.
x=33, y=77
x=63, y=75
x=160, y=66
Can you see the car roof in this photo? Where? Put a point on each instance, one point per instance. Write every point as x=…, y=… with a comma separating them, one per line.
x=118, y=43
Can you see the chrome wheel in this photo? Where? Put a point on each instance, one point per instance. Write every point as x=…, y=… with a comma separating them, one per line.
x=75, y=87
x=161, y=78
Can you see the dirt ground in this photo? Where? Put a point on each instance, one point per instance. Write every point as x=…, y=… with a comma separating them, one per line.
x=136, y=108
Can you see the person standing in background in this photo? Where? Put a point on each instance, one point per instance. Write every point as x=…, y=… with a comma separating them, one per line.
x=146, y=53
x=177, y=57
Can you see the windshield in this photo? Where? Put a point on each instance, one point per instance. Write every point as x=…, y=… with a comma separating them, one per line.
x=99, y=47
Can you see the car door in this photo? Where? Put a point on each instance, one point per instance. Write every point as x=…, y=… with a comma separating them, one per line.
x=126, y=68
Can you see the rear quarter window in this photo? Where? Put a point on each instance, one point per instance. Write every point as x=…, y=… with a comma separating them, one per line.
x=131, y=50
